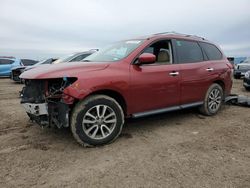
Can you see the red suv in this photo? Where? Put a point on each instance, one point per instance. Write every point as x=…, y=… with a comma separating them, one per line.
x=131, y=78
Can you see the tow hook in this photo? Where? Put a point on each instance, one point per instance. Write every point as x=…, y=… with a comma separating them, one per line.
x=238, y=100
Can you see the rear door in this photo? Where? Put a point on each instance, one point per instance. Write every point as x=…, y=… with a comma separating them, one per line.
x=5, y=67
x=221, y=68
x=195, y=71
x=156, y=85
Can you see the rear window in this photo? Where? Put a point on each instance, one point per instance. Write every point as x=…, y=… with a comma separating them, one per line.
x=6, y=61
x=212, y=52
x=188, y=51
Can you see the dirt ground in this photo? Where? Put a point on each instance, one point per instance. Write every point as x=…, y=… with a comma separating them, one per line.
x=178, y=149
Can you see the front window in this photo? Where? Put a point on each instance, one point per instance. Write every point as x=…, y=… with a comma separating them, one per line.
x=162, y=51
x=6, y=61
x=115, y=52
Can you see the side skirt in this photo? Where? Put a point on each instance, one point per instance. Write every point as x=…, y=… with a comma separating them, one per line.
x=168, y=109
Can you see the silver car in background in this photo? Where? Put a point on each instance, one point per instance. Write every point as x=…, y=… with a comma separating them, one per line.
x=241, y=68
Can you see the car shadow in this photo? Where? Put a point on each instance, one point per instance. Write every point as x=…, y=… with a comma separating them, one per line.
x=130, y=128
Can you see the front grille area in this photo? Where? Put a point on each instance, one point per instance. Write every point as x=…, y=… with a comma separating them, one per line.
x=43, y=104
x=33, y=91
x=16, y=74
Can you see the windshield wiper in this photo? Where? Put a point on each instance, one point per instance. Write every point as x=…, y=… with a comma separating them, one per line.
x=85, y=60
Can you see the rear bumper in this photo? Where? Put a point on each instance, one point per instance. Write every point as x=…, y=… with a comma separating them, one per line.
x=239, y=73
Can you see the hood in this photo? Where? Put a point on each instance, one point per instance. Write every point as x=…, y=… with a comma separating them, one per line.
x=72, y=69
x=19, y=67
x=34, y=66
x=244, y=64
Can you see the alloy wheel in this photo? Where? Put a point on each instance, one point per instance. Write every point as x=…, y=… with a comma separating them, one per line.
x=99, y=122
x=214, y=100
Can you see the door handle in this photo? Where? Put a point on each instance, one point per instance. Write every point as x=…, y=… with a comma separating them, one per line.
x=209, y=69
x=174, y=73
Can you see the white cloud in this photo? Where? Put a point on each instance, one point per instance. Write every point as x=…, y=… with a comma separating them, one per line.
x=72, y=25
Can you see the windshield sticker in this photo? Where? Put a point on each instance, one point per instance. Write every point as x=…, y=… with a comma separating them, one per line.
x=178, y=43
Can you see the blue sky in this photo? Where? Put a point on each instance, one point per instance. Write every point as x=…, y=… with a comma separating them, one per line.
x=46, y=28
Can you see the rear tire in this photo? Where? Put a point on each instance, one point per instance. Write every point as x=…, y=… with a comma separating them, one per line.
x=213, y=100
x=237, y=76
x=97, y=120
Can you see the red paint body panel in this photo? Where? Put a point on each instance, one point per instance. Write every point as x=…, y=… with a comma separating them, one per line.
x=223, y=72
x=152, y=87
x=195, y=81
x=145, y=87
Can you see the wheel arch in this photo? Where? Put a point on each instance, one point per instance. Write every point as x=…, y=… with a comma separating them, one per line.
x=113, y=94
x=222, y=84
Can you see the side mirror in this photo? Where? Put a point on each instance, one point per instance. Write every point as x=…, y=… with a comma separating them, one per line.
x=146, y=58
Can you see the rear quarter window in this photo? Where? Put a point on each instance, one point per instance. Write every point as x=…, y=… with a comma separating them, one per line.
x=188, y=51
x=6, y=61
x=212, y=52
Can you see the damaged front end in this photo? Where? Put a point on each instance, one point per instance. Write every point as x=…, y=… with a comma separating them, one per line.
x=46, y=103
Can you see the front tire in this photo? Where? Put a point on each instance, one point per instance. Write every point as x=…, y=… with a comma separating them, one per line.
x=97, y=120
x=247, y=88
x=213, y=100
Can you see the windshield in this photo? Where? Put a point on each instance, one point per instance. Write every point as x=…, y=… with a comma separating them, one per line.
x=45, y=61
x=247, y=60
x=115, y=51
x=64, y=59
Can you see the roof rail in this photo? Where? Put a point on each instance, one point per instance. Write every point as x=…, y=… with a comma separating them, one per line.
x=176, y=33
x=169, y=32
x=196, y=37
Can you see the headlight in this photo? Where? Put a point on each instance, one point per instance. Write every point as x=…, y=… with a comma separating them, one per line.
x=247, y=75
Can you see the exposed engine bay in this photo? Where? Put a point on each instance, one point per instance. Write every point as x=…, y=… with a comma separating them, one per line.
x=44, y=103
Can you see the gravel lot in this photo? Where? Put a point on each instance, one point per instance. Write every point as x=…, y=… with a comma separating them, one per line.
x=178, y=149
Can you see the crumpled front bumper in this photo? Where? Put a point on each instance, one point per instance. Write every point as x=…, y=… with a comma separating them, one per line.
x=48, y=114
x=36, y=109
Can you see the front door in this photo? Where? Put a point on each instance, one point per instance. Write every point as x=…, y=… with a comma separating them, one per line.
x=155, y=86
x=5, y=67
